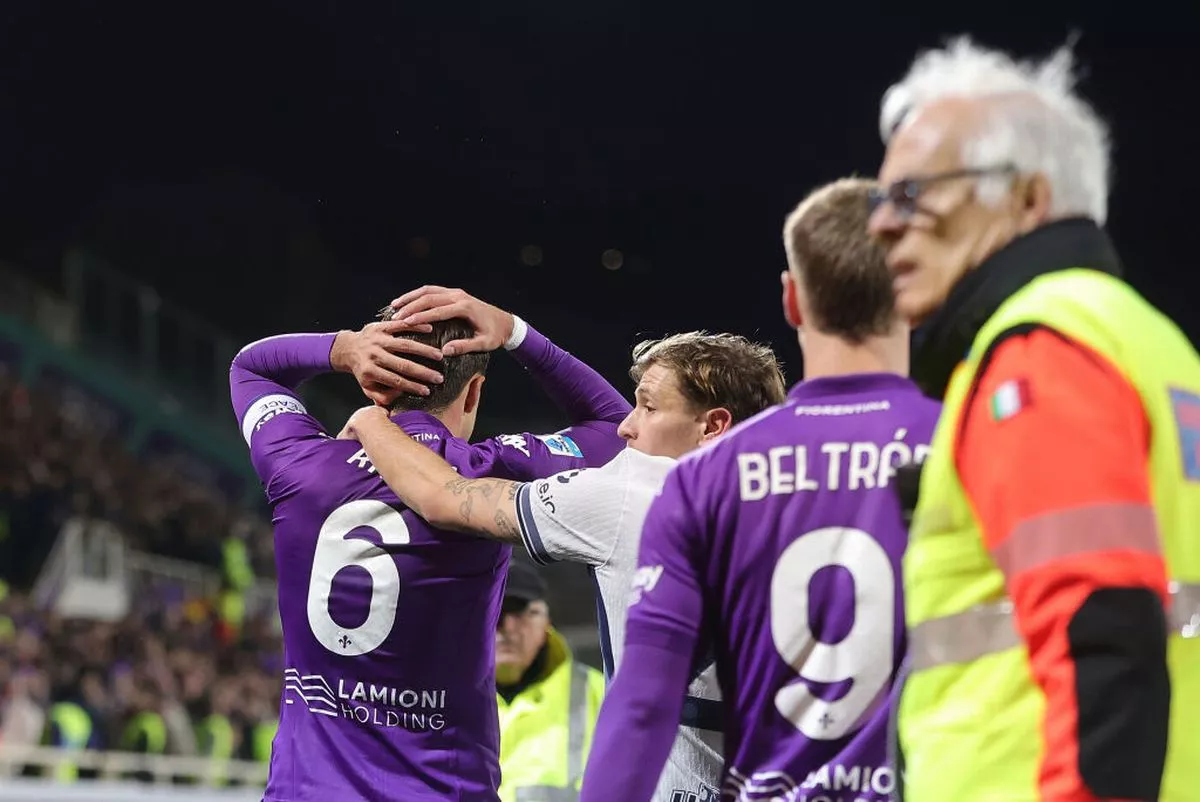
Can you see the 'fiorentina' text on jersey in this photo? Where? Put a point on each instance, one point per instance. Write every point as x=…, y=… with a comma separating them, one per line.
x=786, y=535
x=388, y=624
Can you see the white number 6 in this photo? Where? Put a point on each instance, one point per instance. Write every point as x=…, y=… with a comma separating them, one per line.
x=334, y=552
x=863, y=656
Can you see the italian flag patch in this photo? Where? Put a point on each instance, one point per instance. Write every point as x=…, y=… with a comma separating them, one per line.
x=1010, y=398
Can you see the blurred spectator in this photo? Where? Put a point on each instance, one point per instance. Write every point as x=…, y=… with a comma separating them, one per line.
x=173, y=677
x=54, y=462
x=138, y=687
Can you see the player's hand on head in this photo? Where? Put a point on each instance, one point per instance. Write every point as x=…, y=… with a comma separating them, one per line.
x=380, y=360
x=350, y=430
x=429, y=304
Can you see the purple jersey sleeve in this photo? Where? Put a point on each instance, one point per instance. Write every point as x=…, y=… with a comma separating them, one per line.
x=662, y=642
x=524, y=457
x=593, y=406
x=262, y=384
x=639, y=717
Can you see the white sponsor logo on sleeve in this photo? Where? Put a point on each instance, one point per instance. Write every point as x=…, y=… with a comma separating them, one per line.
x=644, y=580
x=561, y=445
x=545, y=496
x=516, y=441
x=266, y=408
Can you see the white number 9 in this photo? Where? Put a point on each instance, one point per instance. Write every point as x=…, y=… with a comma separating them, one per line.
x=863, y=656
x=334, y=552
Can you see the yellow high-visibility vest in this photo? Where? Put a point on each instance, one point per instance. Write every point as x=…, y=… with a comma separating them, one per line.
x=74, y=731
x=546, y=731
x=969, y=719
x=215, y=738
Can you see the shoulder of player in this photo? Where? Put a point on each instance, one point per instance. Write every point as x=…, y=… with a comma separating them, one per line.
x=640, y=464
x=526, y=443
x=470, y=459
x=328, y=457
x=629, y=471
x=924, y=408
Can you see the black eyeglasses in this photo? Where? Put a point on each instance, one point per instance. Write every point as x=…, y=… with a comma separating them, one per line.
x=905, y=194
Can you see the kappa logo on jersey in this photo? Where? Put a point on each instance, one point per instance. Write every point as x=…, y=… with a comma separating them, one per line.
x=566, y=476
x=560, y=445
x=516, y=441
x=267, y=407
x=1186, y=406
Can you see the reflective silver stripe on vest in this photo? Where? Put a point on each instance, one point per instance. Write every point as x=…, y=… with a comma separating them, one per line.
x=577, y=721
x=1185, y=609
x=546, y=793
x=988, y=629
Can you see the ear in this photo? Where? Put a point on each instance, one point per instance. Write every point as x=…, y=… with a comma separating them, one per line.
x=791, y=300
x=1035, y=198
x=474, y=391
x=716, y=423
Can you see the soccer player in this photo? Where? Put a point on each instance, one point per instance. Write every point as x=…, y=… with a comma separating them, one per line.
x=779, y=548
x=691, y=388
x=389, y=624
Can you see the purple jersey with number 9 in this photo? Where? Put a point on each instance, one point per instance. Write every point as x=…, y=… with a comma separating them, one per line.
x=788, y=537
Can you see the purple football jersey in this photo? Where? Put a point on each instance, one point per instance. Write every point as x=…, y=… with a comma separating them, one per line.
x=388, y=624
x=777, y=550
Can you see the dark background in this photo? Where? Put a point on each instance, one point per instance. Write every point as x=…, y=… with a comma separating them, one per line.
x=279, y=166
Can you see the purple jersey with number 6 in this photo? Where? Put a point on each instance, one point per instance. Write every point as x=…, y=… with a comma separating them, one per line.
x=389, y=624
x=784, y=539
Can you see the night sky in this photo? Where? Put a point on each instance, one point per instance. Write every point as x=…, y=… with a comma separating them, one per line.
x=291, y=166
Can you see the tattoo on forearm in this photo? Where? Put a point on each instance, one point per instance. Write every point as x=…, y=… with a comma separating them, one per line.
x=506, y=527
x=497, y=504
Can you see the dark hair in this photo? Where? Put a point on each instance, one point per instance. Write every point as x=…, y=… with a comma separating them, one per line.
x=842, y=270
x=456, y=370
x=716, y=370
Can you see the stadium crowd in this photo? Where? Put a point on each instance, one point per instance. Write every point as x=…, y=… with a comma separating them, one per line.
x=161, y=681
x=58, y=458
x=175, y=661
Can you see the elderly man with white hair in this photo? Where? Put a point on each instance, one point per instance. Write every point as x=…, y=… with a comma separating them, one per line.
x=1052, y=578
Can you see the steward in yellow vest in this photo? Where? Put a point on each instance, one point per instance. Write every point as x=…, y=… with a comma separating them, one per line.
x=69, y=727
x=1052, y=578
x=548, y=702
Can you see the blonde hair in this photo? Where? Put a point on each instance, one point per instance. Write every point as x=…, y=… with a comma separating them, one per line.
x=716, y=370
x=842, y=270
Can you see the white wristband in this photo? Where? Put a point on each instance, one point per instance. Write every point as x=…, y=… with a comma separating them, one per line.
x=520, y=329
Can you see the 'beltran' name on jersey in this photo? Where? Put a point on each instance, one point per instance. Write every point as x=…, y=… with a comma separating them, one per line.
x=860, y=465
x=785, y=540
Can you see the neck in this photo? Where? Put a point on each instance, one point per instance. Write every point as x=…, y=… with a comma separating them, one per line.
x=945, y=337
x=827, y=355
x=451, y=417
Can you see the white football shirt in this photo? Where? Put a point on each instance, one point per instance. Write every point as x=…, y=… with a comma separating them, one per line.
x=594, y=516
